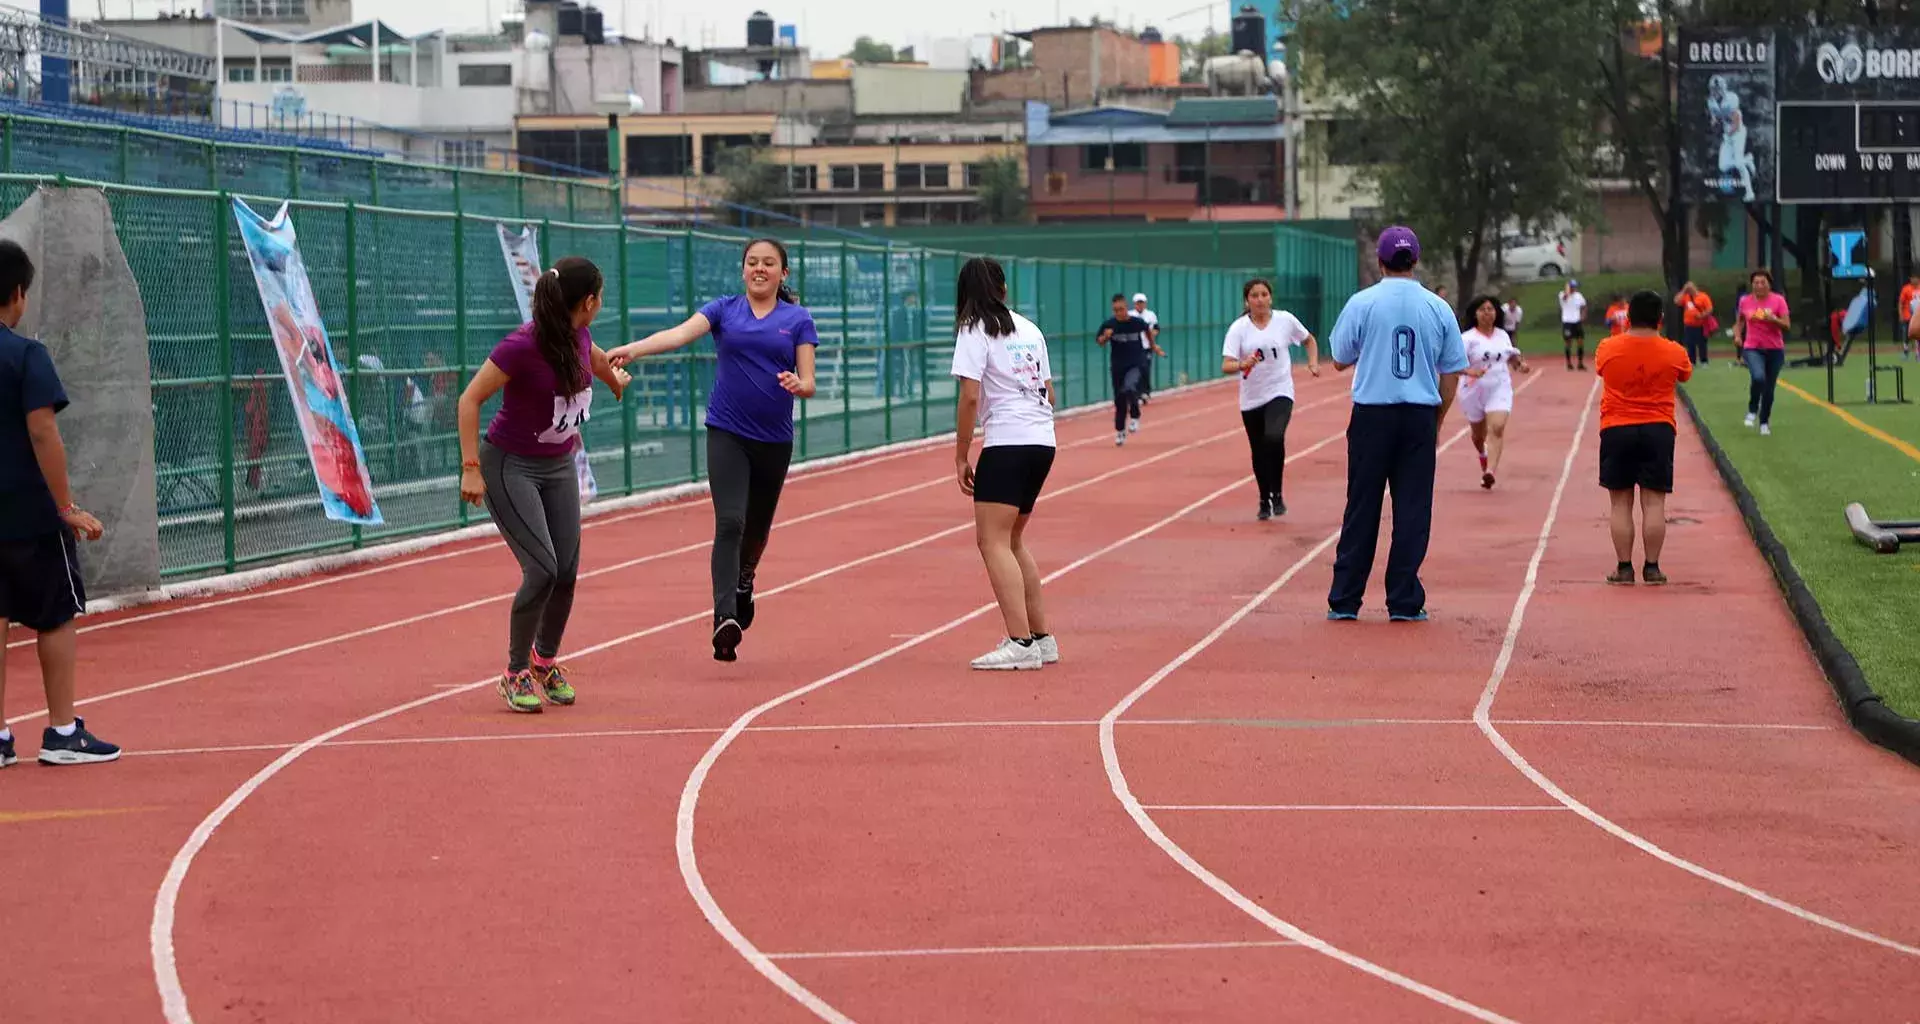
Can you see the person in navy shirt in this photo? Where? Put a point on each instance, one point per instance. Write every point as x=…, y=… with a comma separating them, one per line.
x=1404, y=347
x=1132, y=355
x=40, y=584
x=765, y=342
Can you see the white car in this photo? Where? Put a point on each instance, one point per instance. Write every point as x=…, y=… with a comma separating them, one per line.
x=1528, y=257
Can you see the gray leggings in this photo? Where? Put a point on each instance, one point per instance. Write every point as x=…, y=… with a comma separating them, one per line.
x=536, y=504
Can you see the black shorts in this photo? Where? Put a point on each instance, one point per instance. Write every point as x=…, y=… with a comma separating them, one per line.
x=1012, y=475
x=1573, y=332
x=1637, y=455
x=40, y=586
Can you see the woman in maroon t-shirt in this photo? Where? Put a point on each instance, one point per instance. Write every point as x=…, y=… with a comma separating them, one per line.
x=524, y=470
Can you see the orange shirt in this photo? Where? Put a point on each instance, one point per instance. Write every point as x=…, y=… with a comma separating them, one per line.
x=1908, y=310
x=1694, y=311
x=1617, y=318
x=1640, y=372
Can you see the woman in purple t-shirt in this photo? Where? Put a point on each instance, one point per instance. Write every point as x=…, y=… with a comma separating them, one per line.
x=765, y=344
x=524, y=470
x=1761, y=333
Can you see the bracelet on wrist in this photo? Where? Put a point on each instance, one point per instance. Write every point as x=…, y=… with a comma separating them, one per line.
x=470, y=464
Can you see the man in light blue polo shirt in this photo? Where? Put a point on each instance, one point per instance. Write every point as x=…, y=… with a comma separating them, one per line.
x=1404, y=347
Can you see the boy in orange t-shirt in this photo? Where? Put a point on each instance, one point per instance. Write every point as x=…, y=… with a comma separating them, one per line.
x=1640, y=370
x=1617, y=315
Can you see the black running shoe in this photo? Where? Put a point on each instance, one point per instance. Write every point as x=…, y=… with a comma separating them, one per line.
x=1279, y=507
x=1266, y=509
x=743, y=602
x=726, y=639
x=6, y=752
x=82, y=747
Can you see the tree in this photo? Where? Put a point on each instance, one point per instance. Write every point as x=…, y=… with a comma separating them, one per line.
x=1194, y=55
x=1485, y=127
x=1002, y=193
x=752, y=181
x=867, y=51
x=1638, y=95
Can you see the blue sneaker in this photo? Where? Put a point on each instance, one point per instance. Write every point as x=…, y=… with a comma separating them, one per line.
x=6, y=752
x=1419, y=616
x=1333, y=616
x=82, y=747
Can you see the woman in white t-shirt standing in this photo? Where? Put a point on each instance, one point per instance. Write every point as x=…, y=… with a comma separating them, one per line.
x=1486, y=395
x=1005, y=379
x=1259, y=348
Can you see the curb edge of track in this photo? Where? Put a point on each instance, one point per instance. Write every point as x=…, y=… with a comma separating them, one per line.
x=1865, y=710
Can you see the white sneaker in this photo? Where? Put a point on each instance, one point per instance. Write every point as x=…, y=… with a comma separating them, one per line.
x=1120, y=439
x=1766, y=430
x=1010, y=657
x=1752, y=419
x=1133, y=426
x=1049, y=647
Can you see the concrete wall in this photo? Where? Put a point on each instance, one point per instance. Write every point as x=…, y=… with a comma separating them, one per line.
x=889, y=91
x=813, y=99
x=1069, y=67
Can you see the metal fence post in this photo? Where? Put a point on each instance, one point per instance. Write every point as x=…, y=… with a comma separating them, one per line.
x=626, y=335
x=926, y=345
x=223, y=321
x=460, y=299
x=886, y=344
x=353, y=348
x=846, y=333
x=692, y=362
x=122, y=154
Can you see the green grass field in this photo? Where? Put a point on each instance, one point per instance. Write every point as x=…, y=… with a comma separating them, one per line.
x=1805, y=475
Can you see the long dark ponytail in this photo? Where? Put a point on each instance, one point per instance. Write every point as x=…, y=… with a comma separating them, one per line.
x=556, y=295
x=786, y=293
x=981, y=297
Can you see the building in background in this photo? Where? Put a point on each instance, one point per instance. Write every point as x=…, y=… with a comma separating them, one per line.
x=1206, y=159
x=1083, y=66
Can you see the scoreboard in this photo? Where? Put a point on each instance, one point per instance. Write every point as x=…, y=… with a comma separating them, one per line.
x=1848, y=151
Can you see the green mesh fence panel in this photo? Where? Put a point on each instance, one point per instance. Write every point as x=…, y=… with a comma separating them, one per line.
x=414, y=299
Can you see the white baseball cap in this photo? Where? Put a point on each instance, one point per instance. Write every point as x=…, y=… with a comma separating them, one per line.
x=1139, y=296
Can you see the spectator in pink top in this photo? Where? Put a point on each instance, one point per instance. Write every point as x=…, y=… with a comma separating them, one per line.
x=1761, y=333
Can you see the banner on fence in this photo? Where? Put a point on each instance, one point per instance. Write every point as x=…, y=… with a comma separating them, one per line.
x=522, y=250
x=313, y=376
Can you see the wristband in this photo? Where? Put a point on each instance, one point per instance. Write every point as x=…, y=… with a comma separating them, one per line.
x=470, y=464
x=69, y=509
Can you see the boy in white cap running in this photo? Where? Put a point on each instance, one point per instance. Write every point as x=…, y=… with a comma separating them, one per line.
x=1153, y=341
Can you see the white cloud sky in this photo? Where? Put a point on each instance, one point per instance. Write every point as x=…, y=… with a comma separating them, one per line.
x=828, y=27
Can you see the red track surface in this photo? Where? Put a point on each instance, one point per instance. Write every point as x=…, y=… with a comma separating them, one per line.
x=914, y=841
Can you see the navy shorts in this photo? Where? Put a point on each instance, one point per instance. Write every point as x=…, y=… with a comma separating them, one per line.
x=40, y=585
x=1012, y=475
x=1637, y=455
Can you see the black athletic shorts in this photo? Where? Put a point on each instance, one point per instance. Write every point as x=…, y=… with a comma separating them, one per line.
x=1573, y=332
x=1012, y=475
x=1637, y=455
x=40, y=585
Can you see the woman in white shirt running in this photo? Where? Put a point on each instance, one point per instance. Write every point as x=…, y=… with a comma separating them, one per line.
x=1486, y=395
x=1000, y=363
x=1260, y=349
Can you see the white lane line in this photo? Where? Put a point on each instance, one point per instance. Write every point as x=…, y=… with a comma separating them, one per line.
x=1483, y=718
x=1606, y=723
x=414, y=620
x=1136, y=947
x=661, y=502
x=1123, y=791
x=166, y=970
x=690, y=794
x=1503, y=808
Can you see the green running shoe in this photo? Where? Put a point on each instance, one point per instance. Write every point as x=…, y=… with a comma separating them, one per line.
x=517, y=688
x=553, y=682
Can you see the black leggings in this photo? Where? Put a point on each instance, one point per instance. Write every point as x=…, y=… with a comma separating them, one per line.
x=1267, y=437
x=1127, y=384
x=745, y=476
x=536, y=504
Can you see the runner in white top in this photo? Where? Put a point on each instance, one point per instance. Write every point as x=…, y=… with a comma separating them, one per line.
x=1573, y=323
x=1153, y=341
x=1259, y=348
x=1000, y=363
x=1486, y=393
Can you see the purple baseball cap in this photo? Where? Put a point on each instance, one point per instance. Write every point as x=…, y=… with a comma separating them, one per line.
x=1398, y=239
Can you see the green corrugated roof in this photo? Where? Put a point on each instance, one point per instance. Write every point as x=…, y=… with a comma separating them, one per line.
x=1225, y=110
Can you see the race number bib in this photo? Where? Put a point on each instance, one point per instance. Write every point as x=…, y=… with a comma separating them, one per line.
x=569, y=415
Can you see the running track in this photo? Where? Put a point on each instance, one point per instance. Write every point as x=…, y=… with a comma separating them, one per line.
x=1554, y=802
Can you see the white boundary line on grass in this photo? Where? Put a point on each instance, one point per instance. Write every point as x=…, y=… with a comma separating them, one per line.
x=1483, y=718
x=173, y=996
x=246, y=580
x=1123, y=791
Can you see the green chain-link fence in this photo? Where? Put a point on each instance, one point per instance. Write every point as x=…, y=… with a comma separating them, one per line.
x=415, y=300
x=31, y=145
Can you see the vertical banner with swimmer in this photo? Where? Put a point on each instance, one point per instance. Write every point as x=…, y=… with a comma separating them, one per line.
x=522, y=251
x=314, y=381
